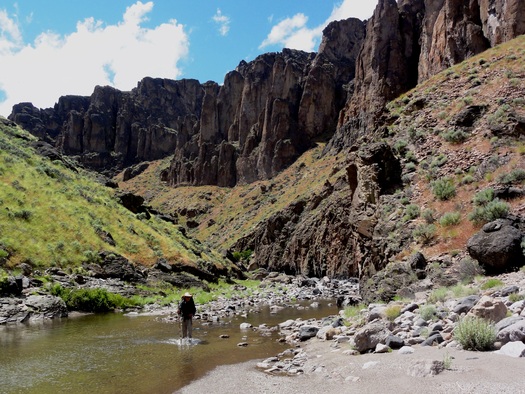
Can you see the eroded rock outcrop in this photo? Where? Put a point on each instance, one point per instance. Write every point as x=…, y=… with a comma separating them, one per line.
x=334, y=232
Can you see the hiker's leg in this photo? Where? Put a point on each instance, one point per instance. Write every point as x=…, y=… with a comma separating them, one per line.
x=190, y=327
x=184, y=328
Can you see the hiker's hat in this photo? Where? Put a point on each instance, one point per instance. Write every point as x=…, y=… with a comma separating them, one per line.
x=187, y=295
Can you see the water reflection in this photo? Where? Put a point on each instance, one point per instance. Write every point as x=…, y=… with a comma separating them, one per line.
x=118, y=354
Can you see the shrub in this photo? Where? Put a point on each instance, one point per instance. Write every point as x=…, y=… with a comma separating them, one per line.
x=491, y=283
x=450, y=219
x=469, y=269
x=455, y=136
x=424, y=233
x=515, y=176
x=428, y=215
x=515, y=297
x=493, y=210
x=467, y=179
x=411, y=212
x=439, y=294
x=427, y=312
x=474, y=333
x=444, y=189
x=392, y=311
x=90, y=300
x=483, y=197
x=242, y=256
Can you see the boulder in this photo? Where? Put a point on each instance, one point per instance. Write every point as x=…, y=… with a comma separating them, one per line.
x=497, y=247
x=369, y=336
x=306, y=332
x=489, y=308
x=514, y=332
x=466, y=304
x=512, y=349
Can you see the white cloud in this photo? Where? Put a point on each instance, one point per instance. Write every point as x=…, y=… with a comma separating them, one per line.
x=94, y=54
x=223, y=21
x=294, y=33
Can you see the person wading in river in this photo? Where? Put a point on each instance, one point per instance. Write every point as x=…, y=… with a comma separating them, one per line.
x=186, y=311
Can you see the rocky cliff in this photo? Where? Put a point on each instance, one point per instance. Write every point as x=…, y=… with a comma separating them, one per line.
x=409, y=41
x=258, y=122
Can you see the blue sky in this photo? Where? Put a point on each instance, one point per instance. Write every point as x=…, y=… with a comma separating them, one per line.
x=56, y=47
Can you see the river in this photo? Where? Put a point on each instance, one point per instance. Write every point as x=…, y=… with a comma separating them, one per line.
x=116, y=353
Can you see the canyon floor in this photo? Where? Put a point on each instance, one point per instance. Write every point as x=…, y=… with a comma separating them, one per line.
x=330, y=371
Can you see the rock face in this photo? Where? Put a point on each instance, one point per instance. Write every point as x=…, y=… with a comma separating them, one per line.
x=334, y=233
x=270, y=110
x=409, y=41
x=258, y=122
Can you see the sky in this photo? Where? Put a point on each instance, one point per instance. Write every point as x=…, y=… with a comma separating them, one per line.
x=54, y=48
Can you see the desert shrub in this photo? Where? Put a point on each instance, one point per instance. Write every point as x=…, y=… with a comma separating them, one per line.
x=392, y=311
x=483, y=197
x=467, y=179
x=438, y=295
x=444, y=189
x=428, y=215
x=353, y=311
x=455, y=136
x=424, y=233
x=243, y=255
x=427, y=312
x=23, y=214
x=410, y=167
x=469, y=269
x=475, y=333
x=515, y=297
x=460, y=290
x=493, y=210
x=400, y=147
x=450, y=219
x=439, y=161
x=491, y=283
x=515, y=176
x=412, y=211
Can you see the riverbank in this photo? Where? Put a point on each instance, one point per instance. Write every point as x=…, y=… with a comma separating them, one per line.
x=330, y=371
x=407, y=346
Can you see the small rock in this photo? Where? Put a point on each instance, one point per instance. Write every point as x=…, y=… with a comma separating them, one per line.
x=512, y=349
x=406, y=350
x=425, y=368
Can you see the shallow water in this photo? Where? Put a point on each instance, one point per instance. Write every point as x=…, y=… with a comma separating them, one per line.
x=114, y=353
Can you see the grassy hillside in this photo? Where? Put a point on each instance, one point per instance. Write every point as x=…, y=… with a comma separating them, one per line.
x=452, y=164
x=52, y=215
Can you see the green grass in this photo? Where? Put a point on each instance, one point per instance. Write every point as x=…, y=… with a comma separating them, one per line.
x=491, y=283
x=52, y=216
x=392, y=312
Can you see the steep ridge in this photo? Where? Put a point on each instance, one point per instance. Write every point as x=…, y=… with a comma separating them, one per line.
x=257, y=123
x=353, y=213
x=409, y=41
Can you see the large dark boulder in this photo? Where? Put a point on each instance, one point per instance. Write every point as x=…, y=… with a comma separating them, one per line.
x=497, y=247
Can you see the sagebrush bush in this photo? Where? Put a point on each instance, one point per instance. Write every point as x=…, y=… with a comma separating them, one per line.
x=392, y=311
x=424, y=233
x=483, y=197
x=450, y=219
x=475, y=333
x=493, y=210
x=438, y=295
x=515, y=176
x=427, y=312
x=469, y=269
x=455, y=136
x=444, y=189
x=412, y=211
